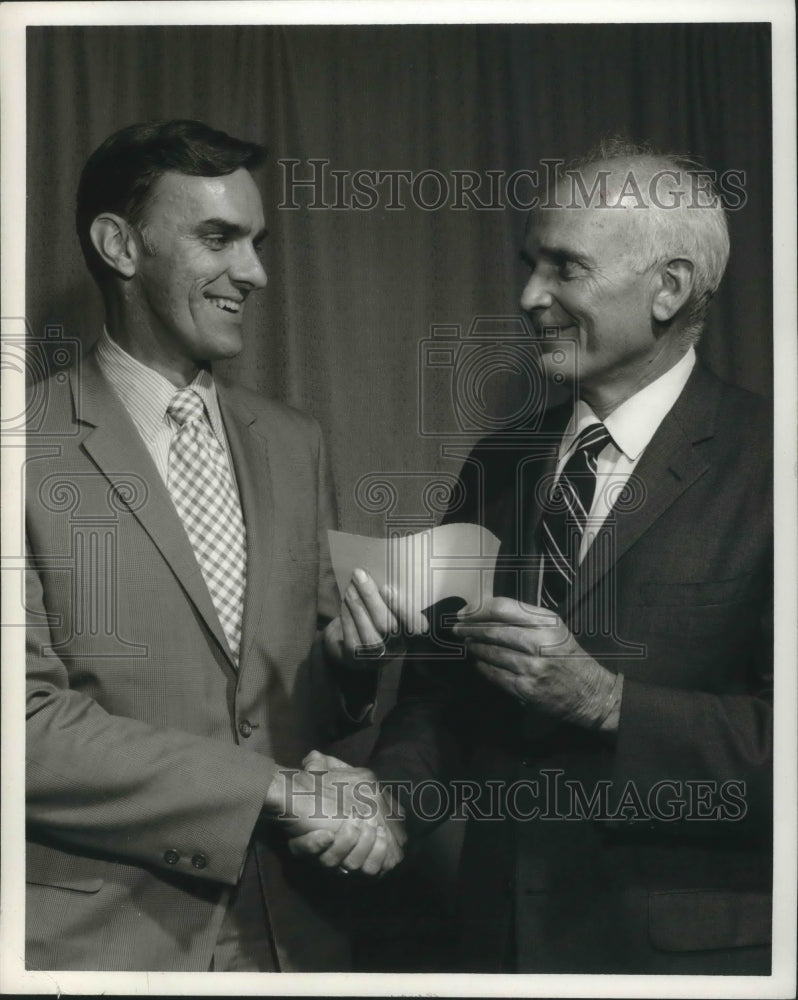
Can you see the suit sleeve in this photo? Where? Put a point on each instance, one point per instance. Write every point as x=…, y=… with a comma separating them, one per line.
x=355, y=691
x=421, y=738
x=425, y=735
x=118, y=786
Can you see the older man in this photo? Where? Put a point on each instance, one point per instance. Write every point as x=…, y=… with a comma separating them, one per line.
x=610, y=722
x=178, y=589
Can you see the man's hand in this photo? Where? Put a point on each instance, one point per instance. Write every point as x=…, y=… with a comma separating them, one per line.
x=373, y=624
x=532, y=655
x=301, y=803
x=371, y=840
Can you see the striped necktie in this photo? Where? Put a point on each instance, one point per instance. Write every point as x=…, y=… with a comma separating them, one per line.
x=203, y=492
x=565, y=515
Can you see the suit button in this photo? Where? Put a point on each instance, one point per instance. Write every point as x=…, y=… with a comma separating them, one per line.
x=171, y=857
x=199, y=861
x=245, y=728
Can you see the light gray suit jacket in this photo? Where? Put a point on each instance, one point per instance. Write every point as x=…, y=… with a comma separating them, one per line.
x=148, y=751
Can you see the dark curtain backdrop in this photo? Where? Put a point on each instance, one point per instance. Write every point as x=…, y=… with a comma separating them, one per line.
x=353, y=295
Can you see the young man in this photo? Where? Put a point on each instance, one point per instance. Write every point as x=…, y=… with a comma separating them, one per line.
x=184, y=649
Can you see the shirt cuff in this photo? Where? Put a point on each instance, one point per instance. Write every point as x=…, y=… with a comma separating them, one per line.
x=610, y=715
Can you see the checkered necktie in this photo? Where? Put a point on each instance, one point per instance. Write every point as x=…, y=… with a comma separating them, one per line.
x=565, y=515
x=205, y=497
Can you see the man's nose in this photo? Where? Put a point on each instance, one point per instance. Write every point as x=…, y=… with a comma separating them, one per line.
x=248, y=269
x=535, y=294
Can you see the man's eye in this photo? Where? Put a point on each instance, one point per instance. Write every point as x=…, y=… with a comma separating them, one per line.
x=215, y=242
x=570, y=269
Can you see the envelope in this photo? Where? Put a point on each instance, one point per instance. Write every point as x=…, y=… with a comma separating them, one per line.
x=452, y=560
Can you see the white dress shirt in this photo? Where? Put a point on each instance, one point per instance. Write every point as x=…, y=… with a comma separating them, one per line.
x=146, y=394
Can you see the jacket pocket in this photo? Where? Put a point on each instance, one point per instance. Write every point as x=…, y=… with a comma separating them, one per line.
x=48, y=866
x=703, y=919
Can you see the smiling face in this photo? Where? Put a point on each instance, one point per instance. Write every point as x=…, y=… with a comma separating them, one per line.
x=583, y=295
x=196, y=264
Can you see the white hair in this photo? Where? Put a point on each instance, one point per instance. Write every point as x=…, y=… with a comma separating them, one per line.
x=685, y=217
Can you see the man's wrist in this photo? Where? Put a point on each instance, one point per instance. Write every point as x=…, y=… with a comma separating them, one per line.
x=276, y=802
x=609, y=713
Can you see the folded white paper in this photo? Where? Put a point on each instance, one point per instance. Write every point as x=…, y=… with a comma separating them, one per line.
x=453, y=560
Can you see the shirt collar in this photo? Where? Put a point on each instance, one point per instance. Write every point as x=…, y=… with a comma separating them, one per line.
x=145, y=393
x=633, y=424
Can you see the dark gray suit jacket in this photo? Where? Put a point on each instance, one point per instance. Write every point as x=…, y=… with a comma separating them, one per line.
x=671, y=872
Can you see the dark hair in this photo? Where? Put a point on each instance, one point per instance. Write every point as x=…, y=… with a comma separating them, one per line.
x=119, y=174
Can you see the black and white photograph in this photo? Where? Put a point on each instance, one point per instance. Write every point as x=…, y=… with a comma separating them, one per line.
x=399, y=502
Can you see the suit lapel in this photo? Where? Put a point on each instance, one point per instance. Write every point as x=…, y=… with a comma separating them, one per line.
x=115, y=447
x=541, y=464
x=537, y=466
x=249, y=448
x=669, y=465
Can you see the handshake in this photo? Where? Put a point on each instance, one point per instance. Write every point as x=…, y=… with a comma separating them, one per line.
x=332, y=813
x=337, y=816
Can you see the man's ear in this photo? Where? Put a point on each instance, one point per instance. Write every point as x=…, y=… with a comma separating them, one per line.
x=113, y=240
x=675, y=289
